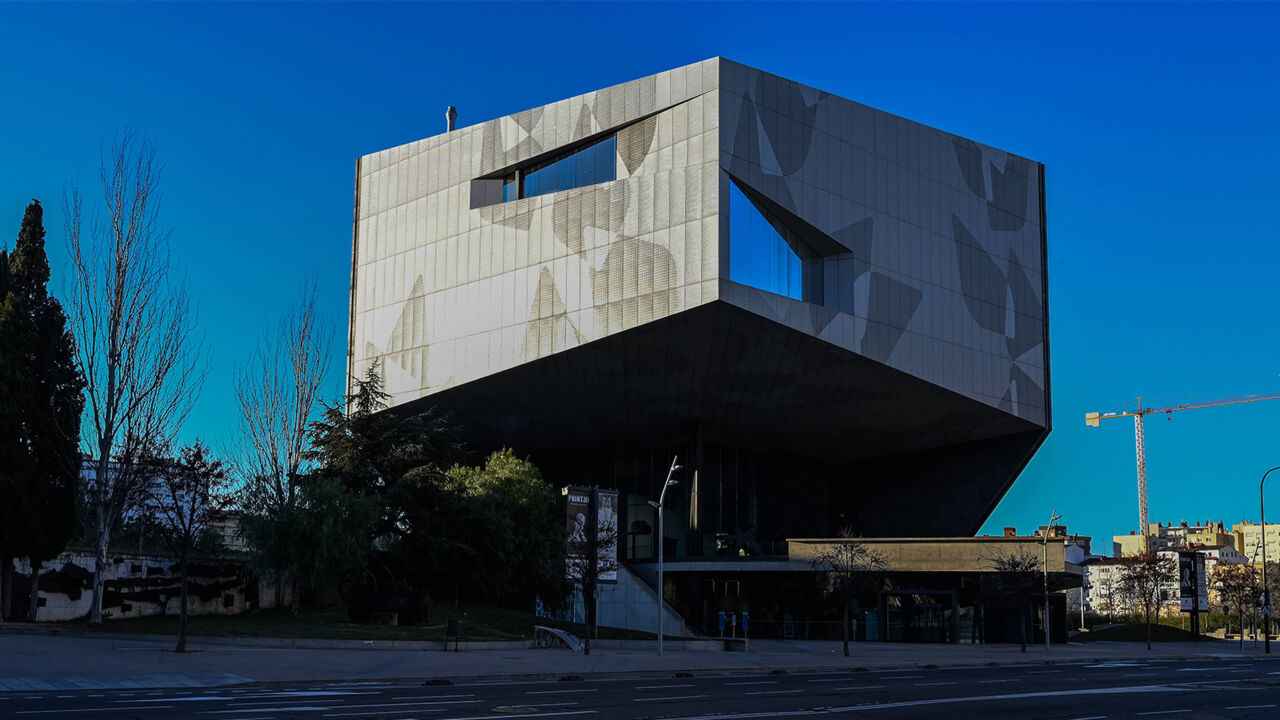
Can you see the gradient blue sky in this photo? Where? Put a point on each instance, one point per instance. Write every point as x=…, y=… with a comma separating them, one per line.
x=1159, y=126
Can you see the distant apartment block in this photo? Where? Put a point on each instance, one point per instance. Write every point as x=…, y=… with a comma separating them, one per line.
x=1104, y=591
x=1248, y=540
x=1163, y=536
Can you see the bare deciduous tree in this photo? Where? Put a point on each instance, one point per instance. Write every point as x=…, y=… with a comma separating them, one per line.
x=187, y=490
x=1016, y=580
x=1239, y=587
x=1144, y=575
x=141, y=361
x=590, y=556
x=850, y=568
x=278, y=393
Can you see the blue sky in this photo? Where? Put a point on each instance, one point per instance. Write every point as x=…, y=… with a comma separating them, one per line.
x=1159, y=126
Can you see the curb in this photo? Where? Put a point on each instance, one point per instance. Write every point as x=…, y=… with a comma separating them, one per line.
x=272, y=642
x=689, y=644
x=714, y=666
x=705, y=672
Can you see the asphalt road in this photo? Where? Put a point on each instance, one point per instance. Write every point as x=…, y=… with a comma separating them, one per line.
x=1227, y=688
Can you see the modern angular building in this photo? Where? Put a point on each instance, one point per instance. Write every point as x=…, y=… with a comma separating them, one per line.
x=834, y=316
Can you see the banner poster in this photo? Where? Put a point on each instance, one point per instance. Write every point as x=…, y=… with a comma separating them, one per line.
x=607, y=524
x=1192, y=581
x=577, y=526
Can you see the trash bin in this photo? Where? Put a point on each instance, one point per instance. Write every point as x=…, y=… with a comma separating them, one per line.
x=452, y=629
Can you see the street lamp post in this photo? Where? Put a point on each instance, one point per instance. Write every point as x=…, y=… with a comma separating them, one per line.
x=1044, y=540
x=1082, y=584
x=662, y=541
x=1266, y=593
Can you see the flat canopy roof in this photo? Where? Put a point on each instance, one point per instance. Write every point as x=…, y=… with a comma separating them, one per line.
x=948, y=555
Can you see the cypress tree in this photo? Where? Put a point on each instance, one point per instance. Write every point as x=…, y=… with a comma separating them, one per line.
x=10, y=446
x=41, y=395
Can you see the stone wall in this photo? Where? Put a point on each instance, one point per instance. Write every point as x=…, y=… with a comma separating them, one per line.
x=139, y=586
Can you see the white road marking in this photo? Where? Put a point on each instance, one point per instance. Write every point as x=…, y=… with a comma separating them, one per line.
x=427, y=697
x=774, y=692
x=662, y=699
x=379, y=712
x=901, y=677
x=202, y=698
x=998, y=681
x=936, y=683
x=560, y=692
x=503, y=716
x=1092, y=717
x=858, y=687
x=1040, y=672
x=260, y=708
x=1012, y=696
x=1162, y=712
x=490, y=683
x=935, y=701
x=1248, y=707
x=85, y=710
x=264, y=706
x=839, y=679
x=1141, y=674
x=664, y=687
x=524, y=706
x=318, y=693
x=756, y=682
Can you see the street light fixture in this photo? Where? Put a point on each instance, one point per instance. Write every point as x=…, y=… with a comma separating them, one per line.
x=1266, y=593
x=661, y=542
x=1044, y=540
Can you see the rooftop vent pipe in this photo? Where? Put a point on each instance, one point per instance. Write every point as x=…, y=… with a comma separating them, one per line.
x=451, y=117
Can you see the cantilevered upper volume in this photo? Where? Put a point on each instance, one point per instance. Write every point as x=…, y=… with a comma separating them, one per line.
x=836, y=314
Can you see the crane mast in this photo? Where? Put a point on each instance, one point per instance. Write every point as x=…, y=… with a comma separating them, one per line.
x=1094, y=419
x=1144, y=521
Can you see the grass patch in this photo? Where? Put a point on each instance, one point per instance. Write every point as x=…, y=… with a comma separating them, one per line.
x=479, y=622
x=1135, y=632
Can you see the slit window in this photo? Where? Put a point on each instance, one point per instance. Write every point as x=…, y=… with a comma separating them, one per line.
x=589, y=165
x=765, y=254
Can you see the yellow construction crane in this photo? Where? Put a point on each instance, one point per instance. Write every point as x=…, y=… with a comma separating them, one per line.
x=1094, y=419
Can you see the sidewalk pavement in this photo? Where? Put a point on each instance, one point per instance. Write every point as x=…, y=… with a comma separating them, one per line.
x=108, y=661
